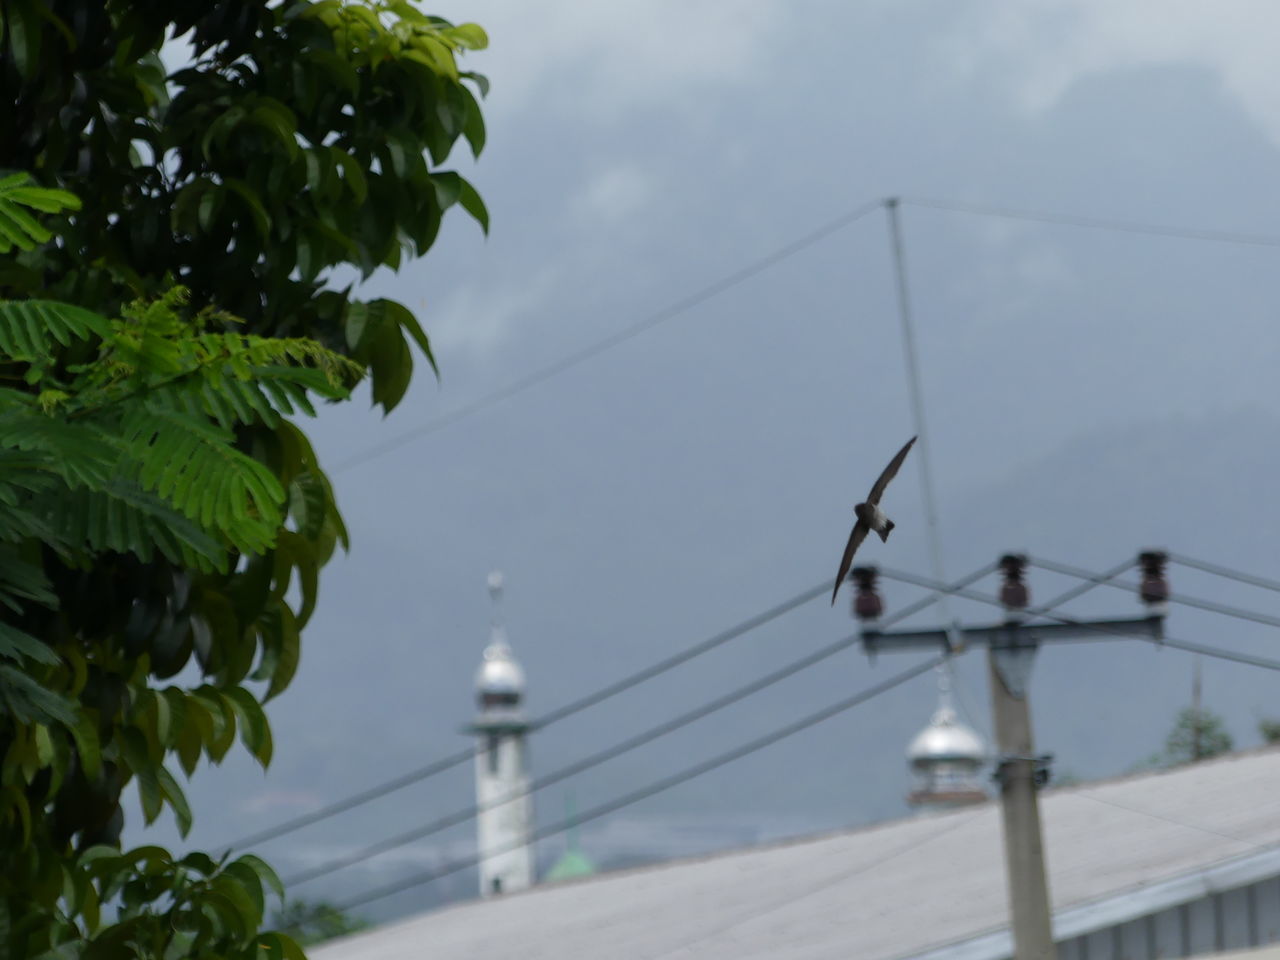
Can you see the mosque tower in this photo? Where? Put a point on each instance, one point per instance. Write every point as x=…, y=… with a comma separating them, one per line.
x=946, y=757
x=503, y=829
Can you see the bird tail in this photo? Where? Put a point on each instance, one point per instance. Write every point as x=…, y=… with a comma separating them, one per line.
x=884, y=534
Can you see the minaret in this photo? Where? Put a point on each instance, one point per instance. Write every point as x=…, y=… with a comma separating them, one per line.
x=502, y=828
x=946, y=756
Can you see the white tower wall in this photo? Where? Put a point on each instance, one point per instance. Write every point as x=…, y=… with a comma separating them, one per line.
x=503, y=828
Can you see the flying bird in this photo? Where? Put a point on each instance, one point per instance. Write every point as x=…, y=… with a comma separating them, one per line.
x=870, y=517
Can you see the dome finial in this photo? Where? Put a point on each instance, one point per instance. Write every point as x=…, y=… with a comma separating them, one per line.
x=946, y=712
x=496, y=582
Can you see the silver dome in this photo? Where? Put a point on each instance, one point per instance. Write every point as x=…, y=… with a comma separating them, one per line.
x=499, y=672
x=946, y=739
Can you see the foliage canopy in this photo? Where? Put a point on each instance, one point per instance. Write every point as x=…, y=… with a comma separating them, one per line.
x=167, y=246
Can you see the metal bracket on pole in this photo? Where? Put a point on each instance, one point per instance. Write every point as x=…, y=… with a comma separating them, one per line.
x=1014, y=658
x=1039, y=768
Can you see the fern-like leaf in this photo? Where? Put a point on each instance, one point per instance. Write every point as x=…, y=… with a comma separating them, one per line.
x=82, y=452
x=20, y=229
x=192, y=463
x=18, y=645
x=30, y=328
x=123, y=517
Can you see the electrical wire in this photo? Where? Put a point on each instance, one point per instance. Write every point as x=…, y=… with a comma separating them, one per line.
x=1226, y=610
x=616, y=750
x=1221, y=571
x=672, y=310
x=560, y=713
x=1219, y=653
x=1097, y=223
x=764, y=263
x=1190, y=646
x=658, y=786
x=958, y=589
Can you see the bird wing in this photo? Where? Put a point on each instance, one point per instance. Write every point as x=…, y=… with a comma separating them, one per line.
x=859, y=534
x=890, y=472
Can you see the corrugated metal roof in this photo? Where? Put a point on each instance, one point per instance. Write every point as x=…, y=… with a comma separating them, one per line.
x=893, y=890
x=1261, y=953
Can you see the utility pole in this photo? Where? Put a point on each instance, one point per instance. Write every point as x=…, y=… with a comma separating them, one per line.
x=1020, y=772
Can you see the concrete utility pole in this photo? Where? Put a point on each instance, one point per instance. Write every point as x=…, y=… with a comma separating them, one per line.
x=1011, y=649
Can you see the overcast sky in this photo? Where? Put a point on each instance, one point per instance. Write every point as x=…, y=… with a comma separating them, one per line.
x=1088, y=394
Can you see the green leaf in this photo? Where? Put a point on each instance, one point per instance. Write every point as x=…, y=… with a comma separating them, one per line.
x=290, y=645
x=255, y=732
x=448, y=187
x=24, y=36
x=16, y=645
x=177, y=800
x=44, y=745
x=85, y=733
x=28, y=328
x=308, y=504
x=473, y=126
x=191, y=742
x=352, y=173
x=261, y=220
x=357, y=321
x=278, y=946
x=26, y=699
x=265, y=874
x=12, y=797
x=403, y=317
x=470, y=36
x=391, y=365
x=472, y=203
x=133, y=747
x=248, y=880
x=222, y=730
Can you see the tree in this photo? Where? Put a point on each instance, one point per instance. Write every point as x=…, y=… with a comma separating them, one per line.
x=178, y=316
x=132, y=454
x=1269, y=730
x=1196, y=735
x=311, y=922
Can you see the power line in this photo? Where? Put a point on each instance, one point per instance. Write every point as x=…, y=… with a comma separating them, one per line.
x=714, y=289
x=560, y=713
x=1098, y=223
x=1091, y=581
x=355, y=800
x=1222, y=654
x=616, y=750
x=1226, y=610
x=1221, y=571
x=1187, y=645
x=764, y=263
x=658, y=786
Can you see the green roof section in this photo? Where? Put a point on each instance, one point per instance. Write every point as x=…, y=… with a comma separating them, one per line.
x=571, y=865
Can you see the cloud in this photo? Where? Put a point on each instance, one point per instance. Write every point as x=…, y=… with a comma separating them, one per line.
x=475, y=318
x=1046, y=48
x=609, y=57
x=613, y=194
